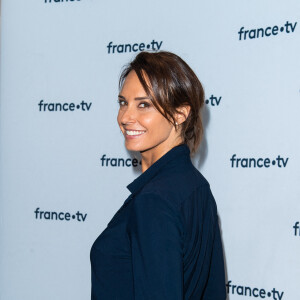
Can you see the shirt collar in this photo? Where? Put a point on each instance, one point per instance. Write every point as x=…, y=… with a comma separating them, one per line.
x=144, y=178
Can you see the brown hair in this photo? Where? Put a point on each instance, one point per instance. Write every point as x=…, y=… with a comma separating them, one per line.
x=171, y=84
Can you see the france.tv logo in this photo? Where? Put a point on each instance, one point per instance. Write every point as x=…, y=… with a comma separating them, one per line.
x=133, y=47
x=243, y=162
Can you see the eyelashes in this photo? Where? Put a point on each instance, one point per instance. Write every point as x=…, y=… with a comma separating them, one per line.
x=142, y=104
x=121, y=102
x=146, y=104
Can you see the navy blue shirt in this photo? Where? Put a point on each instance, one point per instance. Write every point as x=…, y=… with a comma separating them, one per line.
x=164, y=242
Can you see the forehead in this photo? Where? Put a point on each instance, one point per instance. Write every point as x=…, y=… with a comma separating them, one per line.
x=132, y=85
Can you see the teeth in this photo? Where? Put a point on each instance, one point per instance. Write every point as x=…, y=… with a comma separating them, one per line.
x=133, y=132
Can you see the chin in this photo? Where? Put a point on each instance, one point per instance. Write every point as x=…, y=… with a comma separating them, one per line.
x=136, y=148
x=131, y=147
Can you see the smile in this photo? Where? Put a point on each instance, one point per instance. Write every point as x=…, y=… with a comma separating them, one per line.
x=134, y=132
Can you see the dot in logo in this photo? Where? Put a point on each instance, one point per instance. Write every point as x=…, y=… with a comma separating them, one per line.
x=273, y=162
x=73, y=217
x=281, y=29
x=148, y=46
x=78, y=106
x=269, y=294
x=206, y=101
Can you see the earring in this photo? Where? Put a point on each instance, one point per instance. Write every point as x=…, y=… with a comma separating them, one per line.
x=176, y=123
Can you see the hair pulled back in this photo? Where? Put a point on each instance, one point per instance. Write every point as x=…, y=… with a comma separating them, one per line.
x=170, y=83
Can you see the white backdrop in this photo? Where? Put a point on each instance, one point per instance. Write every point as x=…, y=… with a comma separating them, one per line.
x=60, y=63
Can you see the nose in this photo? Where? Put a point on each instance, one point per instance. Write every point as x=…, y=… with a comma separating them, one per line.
x=127, y=115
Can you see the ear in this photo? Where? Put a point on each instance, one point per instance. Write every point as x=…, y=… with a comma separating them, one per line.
x=184, y=113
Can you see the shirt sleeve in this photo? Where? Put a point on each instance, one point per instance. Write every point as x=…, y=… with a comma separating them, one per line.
x=155, y=234
x=203, y=257
x=215, y=288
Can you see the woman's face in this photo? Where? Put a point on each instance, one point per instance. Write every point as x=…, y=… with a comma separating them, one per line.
x=145, y=129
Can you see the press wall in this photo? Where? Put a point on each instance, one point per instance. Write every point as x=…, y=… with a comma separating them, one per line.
x=64, y=167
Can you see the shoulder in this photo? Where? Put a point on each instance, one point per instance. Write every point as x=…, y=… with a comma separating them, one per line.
x=176, y=183
x=152, y=202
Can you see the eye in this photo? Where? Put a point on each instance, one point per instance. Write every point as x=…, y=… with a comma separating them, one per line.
x=144, y=104
x=121, y=102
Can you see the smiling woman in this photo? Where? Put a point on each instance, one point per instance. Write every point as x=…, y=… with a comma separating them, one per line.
x=161, y=93
x=164, y=242
x=145, y=129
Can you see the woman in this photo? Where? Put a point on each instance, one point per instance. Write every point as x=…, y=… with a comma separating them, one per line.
x=164, y=242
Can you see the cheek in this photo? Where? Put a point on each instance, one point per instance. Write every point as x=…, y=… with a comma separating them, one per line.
x=156, y=122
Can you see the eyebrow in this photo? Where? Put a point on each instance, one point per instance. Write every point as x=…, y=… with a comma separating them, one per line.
x=136, y=98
